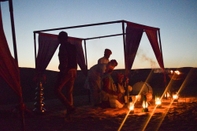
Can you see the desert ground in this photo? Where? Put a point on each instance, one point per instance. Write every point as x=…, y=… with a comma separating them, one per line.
x=172, y=115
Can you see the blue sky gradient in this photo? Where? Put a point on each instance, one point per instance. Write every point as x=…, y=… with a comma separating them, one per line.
x=176, y=19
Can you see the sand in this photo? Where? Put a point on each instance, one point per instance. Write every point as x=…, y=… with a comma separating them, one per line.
x=176, y=116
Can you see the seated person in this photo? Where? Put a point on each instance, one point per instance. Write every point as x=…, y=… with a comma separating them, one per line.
x=110, y=95
x=94, y=80
x=121, y=84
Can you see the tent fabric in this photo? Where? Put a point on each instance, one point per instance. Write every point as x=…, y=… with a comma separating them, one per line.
x=133, y=36
x=80, y=54
x=140, y=26
x=48, y=44
x=152, y=36
x=9, y=70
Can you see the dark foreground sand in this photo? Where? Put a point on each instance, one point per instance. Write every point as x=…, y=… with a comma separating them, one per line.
x=181, y=116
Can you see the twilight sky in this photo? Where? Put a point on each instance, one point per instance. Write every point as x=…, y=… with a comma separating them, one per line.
x=177, y=20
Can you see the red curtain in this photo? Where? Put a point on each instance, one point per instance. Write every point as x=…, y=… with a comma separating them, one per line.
x=80, y=54
x=48, y=44
x=133, y=36
x=9, y=70
x=153, y=38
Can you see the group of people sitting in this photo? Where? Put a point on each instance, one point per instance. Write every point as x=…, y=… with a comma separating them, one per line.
x=105, y=90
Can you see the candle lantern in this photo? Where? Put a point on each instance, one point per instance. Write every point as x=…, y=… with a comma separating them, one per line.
x=145, y=104
x=131, y=105
x=39, y=98
x=157, y=101
x=167, y=95
x=39, y=104
x=175, y=97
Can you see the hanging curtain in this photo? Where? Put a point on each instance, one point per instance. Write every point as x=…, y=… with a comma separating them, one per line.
x=133, y=37
x=153, y=38
x=9, y=70
x=80, y=54
x=48, y=44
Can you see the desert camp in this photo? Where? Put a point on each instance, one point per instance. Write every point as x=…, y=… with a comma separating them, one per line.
x=161, y=98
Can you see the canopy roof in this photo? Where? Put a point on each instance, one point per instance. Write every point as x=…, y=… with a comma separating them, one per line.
x=131, y=38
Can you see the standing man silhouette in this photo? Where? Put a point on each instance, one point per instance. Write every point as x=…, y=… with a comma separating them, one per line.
x=68, y=71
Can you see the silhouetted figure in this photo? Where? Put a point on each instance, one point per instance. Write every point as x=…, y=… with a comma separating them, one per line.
x=68, y=71
x=105, y=58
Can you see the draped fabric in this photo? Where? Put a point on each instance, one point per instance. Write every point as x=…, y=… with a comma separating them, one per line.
x=153, y=38
x=80, y=54
x=48, y=44
x=133, y=36
x=9, y=70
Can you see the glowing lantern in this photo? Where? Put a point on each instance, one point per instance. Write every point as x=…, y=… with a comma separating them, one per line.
x=157, y=101
x=167, y=95
x=131, y=105
x=175, y=97
x=145, y=104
